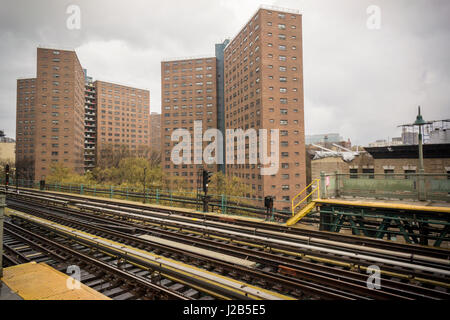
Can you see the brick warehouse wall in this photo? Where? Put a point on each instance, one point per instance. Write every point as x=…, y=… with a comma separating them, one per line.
x=399, y=165
x=331, y=164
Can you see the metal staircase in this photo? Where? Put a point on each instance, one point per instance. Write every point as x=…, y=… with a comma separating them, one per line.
x=308, y=200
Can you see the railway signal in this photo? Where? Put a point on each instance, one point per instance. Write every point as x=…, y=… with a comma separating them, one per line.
x=6, y=176
x=268, y=203
x=206, y=180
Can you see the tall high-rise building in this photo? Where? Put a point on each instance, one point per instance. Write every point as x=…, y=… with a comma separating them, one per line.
x=26, y=127
x=188, y=93
x=264, y=90
x=123, y=117
x=259, y=80
x=64, y=117
x=56, y=118
x=155, y=132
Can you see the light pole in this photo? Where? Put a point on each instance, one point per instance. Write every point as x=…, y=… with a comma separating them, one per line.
x=421, y=179
x=420, y=123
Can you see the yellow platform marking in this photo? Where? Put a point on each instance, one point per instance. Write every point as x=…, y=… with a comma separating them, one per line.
x=39, y=281
x=161, y=258
x=398, y=206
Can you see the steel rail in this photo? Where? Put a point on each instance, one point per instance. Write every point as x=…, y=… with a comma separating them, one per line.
x=275, y=280
x=259, y=226
x=97, y=263
x=409, y=289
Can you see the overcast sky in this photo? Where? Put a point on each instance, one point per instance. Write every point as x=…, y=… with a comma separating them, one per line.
x=359, y=82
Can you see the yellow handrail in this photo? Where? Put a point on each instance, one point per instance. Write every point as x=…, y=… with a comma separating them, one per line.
x=304, y=199
x=318, y=180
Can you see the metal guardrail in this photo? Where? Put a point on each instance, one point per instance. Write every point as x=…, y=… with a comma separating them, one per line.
x=217, y=203
x=308, y=196
x=412, y=186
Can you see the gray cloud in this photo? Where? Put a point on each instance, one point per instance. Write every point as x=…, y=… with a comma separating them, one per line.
x=359, y=82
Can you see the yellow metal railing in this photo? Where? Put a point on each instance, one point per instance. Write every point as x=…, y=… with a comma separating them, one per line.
x=317, y=188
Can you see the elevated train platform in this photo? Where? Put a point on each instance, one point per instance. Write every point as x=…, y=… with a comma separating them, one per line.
x=413, y=222
x=39, y=281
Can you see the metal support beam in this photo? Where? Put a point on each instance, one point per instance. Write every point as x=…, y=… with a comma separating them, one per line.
x=2, y=215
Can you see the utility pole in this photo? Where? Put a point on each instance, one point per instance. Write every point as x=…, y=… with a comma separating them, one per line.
x=145, y=175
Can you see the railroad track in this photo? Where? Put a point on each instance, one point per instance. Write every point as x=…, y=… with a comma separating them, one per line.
x=272, y=229
x=316, y=276
x=98, y=270
x=281, y=241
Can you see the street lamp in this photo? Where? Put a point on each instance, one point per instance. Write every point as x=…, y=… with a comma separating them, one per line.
x=421, y=182
x=420, y=123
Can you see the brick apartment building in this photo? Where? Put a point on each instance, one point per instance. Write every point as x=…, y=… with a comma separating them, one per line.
x=57, y=119
x=188, y=93
x=123, y=116
x=50, y=114
x=155, y=132
x=262, y=73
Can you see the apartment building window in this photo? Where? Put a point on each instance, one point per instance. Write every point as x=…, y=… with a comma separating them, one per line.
x=285, y=176
x=368, y=173
x=283, y=100
x=284, y=111
x=353, y=173
x=388, y=173
x=281, y=26
x=282, y=47
x=283, y=68
x=408, y=174
x=285, y=187
x=283, y=79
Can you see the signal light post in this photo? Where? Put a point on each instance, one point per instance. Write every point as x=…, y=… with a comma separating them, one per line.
x=268, y=203
x=6, y=176
x=206, y=179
